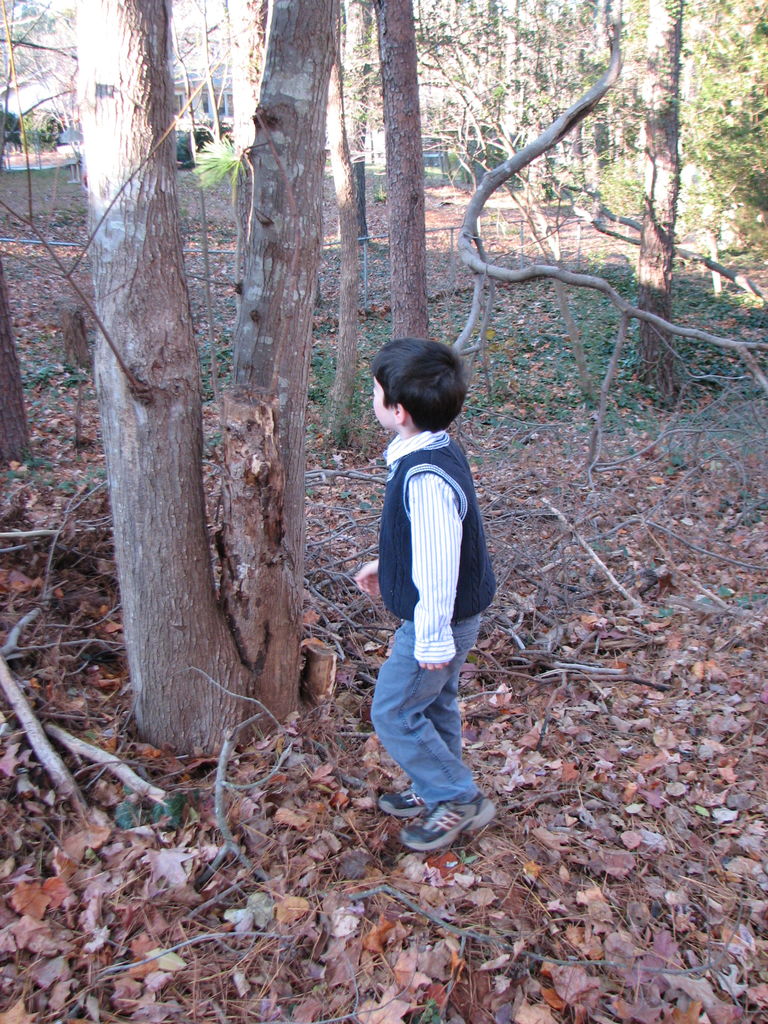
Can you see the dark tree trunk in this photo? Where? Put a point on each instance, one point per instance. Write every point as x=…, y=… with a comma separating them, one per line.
x=358, y=169
x=405, y=167
x=349, y=285
x=662, y=181
x=358, y=73
x=14, y=436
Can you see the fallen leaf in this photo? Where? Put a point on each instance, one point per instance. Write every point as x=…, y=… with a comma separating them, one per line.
x=287, y=816
x=528, y=1014
x=375, y=939
x=407, y=976
x=166, y=961
x=17, y=1015
x=9, y=760
x=388, y=1010
x=758, y=994
x=575, y=986
x=57, y=891
x=29, y=898
x=47, y=972
x=691, y=1015
x=291, y=908
x=168, y=866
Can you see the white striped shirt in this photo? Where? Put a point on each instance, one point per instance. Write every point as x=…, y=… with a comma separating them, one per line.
x=436, y=532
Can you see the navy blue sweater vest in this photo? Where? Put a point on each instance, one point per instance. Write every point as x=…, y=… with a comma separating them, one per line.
x=476, y=585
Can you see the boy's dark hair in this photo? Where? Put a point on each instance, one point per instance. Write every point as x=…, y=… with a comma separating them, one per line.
x=425, y=377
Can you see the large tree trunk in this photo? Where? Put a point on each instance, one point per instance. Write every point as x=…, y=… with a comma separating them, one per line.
x=179, y=645
x=349, y=284
x=405, y=168
x=662, y=181
x=273, y=337
x=14, y=436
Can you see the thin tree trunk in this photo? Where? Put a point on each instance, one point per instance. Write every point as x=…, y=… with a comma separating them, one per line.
x=14, y=434
x=180, y=649
x=358, y=66
x=662, y=181
x=405, y=168
x=349, y=285
x=247, y=27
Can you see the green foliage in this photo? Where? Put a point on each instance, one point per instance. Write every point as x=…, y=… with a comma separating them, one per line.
x=621, y=185
x=12, y=131
x=725, y=119
x=42, y=130
x=430, y=1014
x=172, y=812
x=217, y=161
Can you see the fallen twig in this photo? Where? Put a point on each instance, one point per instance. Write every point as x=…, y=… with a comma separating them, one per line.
x=515, y=948
x=20, y=534
x=113, y=764
x=49, y=759
x=594, y=556
x=11, y=644
x=230, y=843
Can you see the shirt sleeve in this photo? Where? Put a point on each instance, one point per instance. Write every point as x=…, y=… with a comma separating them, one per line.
x=436, y=532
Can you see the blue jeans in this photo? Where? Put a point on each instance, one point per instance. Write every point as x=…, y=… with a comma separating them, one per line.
x=416, y=716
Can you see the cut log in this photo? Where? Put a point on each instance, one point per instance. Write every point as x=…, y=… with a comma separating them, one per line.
x=318, y=677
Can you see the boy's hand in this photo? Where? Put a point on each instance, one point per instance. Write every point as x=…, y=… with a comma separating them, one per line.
x=368, y=579
x=444, y=664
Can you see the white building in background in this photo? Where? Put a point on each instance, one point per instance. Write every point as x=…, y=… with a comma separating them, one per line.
x=203, y=104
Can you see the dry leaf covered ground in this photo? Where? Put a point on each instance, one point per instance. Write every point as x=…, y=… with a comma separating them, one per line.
x=615, y=709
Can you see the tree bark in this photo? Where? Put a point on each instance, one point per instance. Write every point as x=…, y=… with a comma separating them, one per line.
x=247, y=26
x=662, y=182
x=14, y=434
x=179, y=646
x=405, y=168
x=358, y=68
x=273, y=339
x=349, y=284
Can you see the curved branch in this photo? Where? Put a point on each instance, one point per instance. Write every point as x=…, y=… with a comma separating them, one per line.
x=542, y=270
x=470, y=245
x=549, y=137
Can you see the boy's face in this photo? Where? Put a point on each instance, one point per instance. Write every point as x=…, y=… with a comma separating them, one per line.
x=384, y=414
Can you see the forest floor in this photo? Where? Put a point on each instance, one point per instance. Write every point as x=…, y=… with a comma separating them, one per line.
x=615, y=707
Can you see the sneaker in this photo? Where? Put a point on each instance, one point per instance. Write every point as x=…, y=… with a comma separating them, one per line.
x=402, y=805
x=445, y=821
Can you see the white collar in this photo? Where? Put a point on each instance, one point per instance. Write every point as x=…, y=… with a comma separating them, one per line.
x=401, y=446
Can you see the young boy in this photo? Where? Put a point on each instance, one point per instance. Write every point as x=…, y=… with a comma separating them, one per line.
x=434, y=573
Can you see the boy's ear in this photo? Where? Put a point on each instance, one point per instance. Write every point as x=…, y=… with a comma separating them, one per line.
x=402, y=416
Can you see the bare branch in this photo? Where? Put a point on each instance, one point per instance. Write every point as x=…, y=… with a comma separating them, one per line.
x=598, y=223
x=470, y=245
x=113, y=764
x=557, y=131
x=57, y=771
x=11, y=644
x=594, y=556
x=595, y=442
